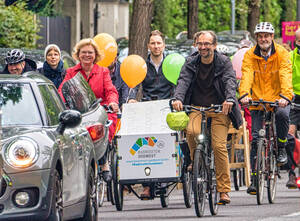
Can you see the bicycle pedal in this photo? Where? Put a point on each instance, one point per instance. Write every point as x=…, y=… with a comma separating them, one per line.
x=252, y=193
x=292, y=188
x=221, y=203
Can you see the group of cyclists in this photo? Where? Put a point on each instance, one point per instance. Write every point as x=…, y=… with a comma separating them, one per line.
x=206, y=78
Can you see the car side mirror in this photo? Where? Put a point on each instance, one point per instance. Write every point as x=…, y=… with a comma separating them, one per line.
x=68, y=119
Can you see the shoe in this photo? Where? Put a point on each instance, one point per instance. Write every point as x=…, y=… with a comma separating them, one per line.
x=224, y=199
x=282, y=157
x=251, y=189
x=146, y=192
x=106, y=174
x=291, y=183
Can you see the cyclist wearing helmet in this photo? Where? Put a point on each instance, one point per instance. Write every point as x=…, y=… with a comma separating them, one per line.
x=16, y=63
x=267, y=73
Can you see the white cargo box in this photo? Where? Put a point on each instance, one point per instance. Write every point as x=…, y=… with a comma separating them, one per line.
x=151, y=156
x=147, y=148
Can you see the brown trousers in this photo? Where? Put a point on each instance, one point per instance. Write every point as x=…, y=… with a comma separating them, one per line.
x=219, y=129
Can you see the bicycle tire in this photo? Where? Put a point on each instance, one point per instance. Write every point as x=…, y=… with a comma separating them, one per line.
x=236, y=179
x=199, y=182
x=213, y=196
x=164, y=200
x=272, y=174
x=187, y=188
x=260, y=171
x=109, y=189
x=117, y=187
x=100, y=190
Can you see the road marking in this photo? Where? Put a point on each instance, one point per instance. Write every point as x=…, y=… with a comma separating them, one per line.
x=292, y=214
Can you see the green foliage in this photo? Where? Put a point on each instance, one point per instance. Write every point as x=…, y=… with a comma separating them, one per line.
x=170, y=16
x=272, y=12
x=18, y=27
x=215, y=15
x=241, y=14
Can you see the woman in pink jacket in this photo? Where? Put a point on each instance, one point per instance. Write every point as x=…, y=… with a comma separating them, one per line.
x=87, y=53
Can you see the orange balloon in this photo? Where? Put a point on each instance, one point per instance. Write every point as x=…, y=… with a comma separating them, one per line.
x=133, y=70
x=108, y=48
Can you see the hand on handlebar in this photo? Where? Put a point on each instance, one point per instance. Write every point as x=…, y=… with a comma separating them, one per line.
x=246, y=100
x=226, y=107
x=177, y=105
x=282, y=102
x=114, y=107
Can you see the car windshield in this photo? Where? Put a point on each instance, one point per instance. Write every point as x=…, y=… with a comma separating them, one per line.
x=18, y=105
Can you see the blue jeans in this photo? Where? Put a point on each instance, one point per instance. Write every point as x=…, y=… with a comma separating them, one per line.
x=282, y=121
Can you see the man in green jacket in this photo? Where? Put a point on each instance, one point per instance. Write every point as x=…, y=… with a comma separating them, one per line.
x=294, y=113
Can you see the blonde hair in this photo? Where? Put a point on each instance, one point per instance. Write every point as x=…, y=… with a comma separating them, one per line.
x=85, y=42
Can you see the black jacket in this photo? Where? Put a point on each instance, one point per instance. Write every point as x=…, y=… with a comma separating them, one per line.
x=224, y=83
x=155, y=85
x=30, y=65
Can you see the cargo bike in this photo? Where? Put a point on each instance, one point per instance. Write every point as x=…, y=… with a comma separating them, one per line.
x=147, y=151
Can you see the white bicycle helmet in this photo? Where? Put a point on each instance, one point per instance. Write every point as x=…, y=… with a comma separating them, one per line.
x=14, y=56
x=265, y=27
x=222, y=49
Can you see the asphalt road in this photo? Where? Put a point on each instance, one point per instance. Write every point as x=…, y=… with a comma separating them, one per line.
x=242, y=207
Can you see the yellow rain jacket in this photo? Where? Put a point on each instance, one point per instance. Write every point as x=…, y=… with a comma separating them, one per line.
x=267, y=79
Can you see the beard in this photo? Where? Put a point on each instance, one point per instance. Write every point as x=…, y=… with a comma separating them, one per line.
x=207, y=55
x=265, y=47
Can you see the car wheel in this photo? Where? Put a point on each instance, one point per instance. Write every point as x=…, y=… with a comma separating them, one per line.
x=91, y=208
x=56, y=213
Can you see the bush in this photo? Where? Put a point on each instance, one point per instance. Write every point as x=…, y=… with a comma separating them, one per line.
x=18, y=27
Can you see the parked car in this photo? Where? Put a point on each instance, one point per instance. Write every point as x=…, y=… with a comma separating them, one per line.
x=38, y=56
x=49, y=154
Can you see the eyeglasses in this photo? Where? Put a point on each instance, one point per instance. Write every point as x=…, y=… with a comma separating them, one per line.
x=206, y=44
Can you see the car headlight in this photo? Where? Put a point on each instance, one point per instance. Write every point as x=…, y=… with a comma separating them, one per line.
x=22, y=152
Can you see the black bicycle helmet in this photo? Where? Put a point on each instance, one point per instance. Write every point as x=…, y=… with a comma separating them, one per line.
x=14, y=56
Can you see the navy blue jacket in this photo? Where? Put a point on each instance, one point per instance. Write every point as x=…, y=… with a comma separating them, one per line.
x=155, y=85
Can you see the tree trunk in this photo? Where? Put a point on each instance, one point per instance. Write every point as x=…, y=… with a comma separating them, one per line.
x=192, y=18
x=298, y=10
x=140, y=27
x=253, y=15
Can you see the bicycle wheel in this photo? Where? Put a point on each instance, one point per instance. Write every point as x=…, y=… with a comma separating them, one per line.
x=164, y=200
x=213, y=196
x=272, y=174
x=260, y=171
x=199, y=182
x=109, y=189
x=187, y=188
x=117, y=187
x=100, y=190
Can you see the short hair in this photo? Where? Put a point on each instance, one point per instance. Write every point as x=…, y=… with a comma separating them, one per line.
x=212, y=33
x=157, y=33
x=196, y=35
x=85, y=42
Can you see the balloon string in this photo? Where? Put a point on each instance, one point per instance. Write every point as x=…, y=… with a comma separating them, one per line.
x=131, y=90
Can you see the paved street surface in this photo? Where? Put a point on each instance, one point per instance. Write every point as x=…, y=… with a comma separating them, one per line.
x=242, y=207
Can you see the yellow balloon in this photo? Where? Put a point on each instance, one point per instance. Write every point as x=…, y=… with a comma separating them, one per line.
x=133, y=70
x=108, y=48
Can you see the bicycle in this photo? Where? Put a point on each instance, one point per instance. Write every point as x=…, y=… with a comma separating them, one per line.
x=204, y=175
x=267, y=151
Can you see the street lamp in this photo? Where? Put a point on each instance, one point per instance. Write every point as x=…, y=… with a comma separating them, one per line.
x=232, y=16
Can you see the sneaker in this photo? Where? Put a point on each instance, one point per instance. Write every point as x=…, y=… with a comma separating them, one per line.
x=251, y=189
x=282, y=157
x=291, y=183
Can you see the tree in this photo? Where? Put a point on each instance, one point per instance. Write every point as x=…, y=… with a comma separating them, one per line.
x=161, y=13
x=192, y=18
x=18, y=27
x=242, y=14
x=140, y=27
x=253, y=15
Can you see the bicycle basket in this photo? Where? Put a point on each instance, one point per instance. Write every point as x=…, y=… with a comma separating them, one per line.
x=177, y=120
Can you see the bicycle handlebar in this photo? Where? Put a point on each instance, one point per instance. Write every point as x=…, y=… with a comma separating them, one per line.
x=216, y=107
x=263, y=102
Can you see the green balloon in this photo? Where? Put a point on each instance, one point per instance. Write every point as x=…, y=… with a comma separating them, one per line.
x=171, y=67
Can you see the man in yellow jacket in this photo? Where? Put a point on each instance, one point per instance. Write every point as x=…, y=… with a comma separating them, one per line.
x=267, y=72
